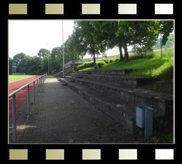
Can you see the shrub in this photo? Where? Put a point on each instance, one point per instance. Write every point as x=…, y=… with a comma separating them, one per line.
x=100, y=64
x=142, y=54
x=116, y=60
x=81, y=66
x=105, y=60
x=53, y=72
x=88, y=64
x=84, y=65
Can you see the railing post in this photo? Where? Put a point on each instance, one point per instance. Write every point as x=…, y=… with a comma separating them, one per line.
x=28, y=102
x=34, y=90
x=14, y=119
x=38, y=85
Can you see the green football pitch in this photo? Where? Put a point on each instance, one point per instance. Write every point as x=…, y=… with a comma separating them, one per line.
x=18, y=77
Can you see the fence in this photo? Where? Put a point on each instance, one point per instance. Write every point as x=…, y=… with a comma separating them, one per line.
x=39, y=81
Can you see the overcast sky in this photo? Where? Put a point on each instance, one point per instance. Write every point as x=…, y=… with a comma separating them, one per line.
x=28, y=36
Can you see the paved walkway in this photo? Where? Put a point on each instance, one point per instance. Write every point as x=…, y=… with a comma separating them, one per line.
x=62, y=116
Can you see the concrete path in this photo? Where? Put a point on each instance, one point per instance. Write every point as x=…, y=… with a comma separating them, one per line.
x=62, y=116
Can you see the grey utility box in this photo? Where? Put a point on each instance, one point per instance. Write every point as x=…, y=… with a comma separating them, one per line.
x=144, y=119
x=140, y=116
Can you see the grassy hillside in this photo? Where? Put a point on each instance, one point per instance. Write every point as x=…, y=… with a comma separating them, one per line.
x=150, y=65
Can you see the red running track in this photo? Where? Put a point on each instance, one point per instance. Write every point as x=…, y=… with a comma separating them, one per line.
x=21, y=96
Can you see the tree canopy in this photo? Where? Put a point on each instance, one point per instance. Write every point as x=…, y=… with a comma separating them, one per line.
x=43, y=52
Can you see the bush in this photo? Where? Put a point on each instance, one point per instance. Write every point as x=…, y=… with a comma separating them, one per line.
x=100, y=64
x=142, y=54
x=53, y=72
x=105, y=60
x=80, y=67
x=85, y=65
x=116, y=60
x=88, y=64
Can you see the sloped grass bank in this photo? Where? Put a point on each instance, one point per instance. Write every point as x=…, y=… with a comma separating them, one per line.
x=155, y=66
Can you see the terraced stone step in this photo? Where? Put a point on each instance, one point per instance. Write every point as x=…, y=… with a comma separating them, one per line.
x=120, y=110
x=62, y=82
x=161, y=102
x=104, y=72
x=121, y=81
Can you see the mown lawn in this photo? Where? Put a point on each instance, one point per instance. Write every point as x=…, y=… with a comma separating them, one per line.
x=18, y=77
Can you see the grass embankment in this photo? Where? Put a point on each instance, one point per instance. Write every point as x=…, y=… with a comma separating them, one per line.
x=18, y=77
x=147, y=66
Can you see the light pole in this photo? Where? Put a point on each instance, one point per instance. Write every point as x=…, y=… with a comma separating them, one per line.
x=48, y=64
x=15, y=67
x=63, y=46
x=12, y=67
x=48, y=59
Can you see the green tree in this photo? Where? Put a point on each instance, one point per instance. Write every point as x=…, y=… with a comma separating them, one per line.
x=43, y=52
x=87, y=40
x=35, y=66
x=166, y=27
x=77, y=46
x=54, y=66
x=10, y=65
x=105, y=34
x=59, y=58
x=140, y=34
x=29, y=65
x=171, y=39
x=44, y=63
x=71, y=52
x=18, y=58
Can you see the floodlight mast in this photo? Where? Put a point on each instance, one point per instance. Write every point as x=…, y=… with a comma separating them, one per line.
x=48, y=59
x=14, y=67
x=63, y=46
x=48, y=64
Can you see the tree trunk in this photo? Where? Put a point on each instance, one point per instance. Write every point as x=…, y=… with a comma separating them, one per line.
x=94, y=55
x=94, y=59
x=161, y=51
x=126, y=53
x=121, y=53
